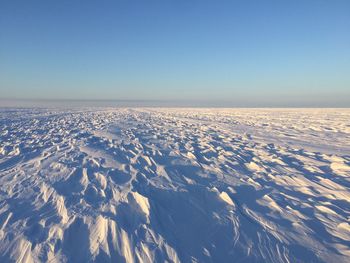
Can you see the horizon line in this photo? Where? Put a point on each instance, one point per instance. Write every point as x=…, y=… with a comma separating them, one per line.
x=157, y=103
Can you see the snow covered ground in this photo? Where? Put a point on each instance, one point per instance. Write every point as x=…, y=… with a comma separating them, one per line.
x=174, y=185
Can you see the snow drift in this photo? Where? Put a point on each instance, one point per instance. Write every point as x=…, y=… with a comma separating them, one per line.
x=174, y=185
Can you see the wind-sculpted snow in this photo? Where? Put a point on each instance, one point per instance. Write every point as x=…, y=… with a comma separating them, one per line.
x=174, y=185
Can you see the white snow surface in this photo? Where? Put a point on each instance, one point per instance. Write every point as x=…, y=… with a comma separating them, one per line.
x=174, y=185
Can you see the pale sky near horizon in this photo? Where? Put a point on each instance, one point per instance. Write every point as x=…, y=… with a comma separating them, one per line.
x=253, y=53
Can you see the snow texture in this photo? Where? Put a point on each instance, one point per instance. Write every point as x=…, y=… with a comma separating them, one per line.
x=174, y=185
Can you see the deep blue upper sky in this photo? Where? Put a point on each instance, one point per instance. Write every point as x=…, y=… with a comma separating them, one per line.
x=293, y=52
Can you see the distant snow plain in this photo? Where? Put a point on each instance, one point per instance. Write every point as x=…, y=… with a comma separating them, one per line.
x=174, y=185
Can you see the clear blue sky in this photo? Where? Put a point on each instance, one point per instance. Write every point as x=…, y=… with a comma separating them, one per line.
x=294, y=52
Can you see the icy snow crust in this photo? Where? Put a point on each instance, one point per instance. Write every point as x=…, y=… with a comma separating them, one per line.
x=174, y=185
